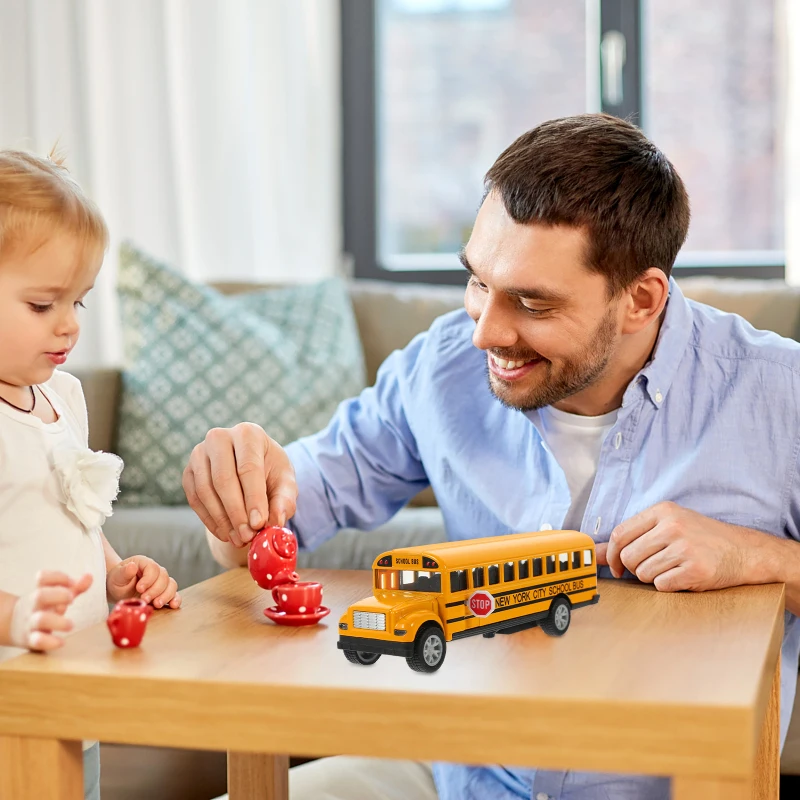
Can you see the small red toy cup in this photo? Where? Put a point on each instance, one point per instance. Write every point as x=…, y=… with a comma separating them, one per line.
x=127, y=622
x=273, y=557
x=303, y=597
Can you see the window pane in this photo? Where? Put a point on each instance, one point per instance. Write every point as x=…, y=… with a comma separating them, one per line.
x=457, y=82
x=711, y=103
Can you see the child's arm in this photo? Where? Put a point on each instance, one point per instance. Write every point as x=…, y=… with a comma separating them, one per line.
x=31, y=621
x=138, y=576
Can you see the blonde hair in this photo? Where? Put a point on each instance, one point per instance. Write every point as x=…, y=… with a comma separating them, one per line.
x=38, y=197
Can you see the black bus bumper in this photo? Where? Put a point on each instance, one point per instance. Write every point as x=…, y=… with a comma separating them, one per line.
x=364, y=645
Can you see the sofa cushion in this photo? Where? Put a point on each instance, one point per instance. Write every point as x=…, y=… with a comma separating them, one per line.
x=196, y=359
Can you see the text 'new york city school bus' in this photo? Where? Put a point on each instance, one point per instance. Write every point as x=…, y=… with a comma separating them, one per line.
x=424, y=597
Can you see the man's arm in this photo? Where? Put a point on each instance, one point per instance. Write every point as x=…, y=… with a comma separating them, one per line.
x=774, y=560
x=358, y=472
x=677, y=549
x=226, y=554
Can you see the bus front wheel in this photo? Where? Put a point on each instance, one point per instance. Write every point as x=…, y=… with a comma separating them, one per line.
x=361, y=657
x=558, y=620
x=429, y=650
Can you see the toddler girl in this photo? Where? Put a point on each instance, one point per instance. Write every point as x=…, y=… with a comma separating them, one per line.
x=57, y=570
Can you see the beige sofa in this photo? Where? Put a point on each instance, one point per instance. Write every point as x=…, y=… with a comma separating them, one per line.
x=388, y=316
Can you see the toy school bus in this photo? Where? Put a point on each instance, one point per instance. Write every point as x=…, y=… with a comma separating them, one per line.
x=424, y=597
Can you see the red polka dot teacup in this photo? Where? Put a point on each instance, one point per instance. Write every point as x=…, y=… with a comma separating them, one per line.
x=127, y=622
x=304, y=597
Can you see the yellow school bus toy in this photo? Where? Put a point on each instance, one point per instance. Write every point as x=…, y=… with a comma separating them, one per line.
x=424, y=597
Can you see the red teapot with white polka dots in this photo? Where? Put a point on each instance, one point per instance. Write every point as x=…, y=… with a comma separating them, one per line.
x=273, y=557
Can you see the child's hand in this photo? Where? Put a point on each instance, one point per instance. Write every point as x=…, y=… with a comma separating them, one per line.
x=38, y=615
x=141, y=576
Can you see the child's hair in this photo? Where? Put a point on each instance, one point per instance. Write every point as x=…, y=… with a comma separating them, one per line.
x=38, y=196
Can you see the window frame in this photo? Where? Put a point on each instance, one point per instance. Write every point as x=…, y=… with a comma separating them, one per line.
x=359, y=148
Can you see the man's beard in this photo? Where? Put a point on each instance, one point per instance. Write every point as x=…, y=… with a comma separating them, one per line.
x=575, y=374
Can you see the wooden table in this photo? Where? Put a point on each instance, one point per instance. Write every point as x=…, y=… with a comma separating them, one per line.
x=683, y=685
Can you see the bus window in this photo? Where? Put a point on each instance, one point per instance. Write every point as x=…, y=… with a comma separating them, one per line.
x=508, y=571
x=387, y=579
x=412, y=581
x=494, y=574
x=537, y=567
x=576, y=560
x=524, y=569
x=458, y=580
x=587, y=558
x=551, y=564
x=563, y=562
x=477, y=577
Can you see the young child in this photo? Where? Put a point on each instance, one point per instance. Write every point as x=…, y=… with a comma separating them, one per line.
x=57, y=570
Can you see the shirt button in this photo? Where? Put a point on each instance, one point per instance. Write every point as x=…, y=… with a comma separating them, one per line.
x=542, y=796
x=617, y=441
x=546, y=527
x=659, y=396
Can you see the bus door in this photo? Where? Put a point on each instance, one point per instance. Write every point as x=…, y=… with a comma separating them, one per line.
x=457, y=614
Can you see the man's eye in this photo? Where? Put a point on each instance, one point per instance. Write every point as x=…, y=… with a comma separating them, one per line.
x=475, y=282
x=40, y=309
x=535, y=311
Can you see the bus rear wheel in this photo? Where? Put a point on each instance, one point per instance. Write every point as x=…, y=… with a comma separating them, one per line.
x=361, y=657
x=430, y=649
x=558, y=620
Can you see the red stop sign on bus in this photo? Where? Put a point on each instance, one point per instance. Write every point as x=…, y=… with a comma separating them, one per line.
x=481, y=603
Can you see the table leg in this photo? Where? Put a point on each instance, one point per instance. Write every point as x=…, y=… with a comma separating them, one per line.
x=40, y=769
x=253, y=776
x=709, y=789
x=767, y=778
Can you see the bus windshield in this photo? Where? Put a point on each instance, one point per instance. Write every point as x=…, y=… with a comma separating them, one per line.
x=407, y=580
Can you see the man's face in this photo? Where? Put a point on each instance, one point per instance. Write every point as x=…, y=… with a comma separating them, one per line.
x=546, y=321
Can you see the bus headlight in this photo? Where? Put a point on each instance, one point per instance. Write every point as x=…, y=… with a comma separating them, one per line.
x=342, y=626
x=398, y=632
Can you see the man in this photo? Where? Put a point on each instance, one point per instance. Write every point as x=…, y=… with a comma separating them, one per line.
x=667, y=430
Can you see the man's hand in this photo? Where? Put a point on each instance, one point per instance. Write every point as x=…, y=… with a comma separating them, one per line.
x=239, y=480
x=677, y=549
x=140, y=576
x=38, y=617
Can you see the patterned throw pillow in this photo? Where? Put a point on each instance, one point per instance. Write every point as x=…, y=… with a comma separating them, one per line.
x=197, y=359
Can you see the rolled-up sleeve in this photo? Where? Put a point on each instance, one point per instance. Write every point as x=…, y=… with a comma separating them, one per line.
x=365, y=465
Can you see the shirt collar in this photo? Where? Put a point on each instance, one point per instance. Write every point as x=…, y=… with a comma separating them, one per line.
x=657, y=375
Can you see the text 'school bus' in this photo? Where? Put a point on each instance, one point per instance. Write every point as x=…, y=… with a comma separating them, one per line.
x=426, y=596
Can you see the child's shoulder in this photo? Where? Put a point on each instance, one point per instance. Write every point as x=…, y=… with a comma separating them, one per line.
x=64, y=383
x=69, y=390
x=68, y=387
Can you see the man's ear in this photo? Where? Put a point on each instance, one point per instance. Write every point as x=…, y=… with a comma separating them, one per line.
x=644, y=300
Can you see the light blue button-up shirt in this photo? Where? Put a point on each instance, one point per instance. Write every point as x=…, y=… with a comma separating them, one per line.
x=711, y=423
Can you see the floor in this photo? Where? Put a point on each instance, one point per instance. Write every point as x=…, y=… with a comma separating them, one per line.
x=148, y=773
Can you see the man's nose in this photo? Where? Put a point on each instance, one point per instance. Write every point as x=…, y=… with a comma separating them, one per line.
x=493, y=328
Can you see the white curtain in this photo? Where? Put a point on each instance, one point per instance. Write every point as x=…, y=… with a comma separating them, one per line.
x=791, y=53
x=207, y=131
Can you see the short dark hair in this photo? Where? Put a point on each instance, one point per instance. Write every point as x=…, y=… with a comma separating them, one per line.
x=601, y=173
